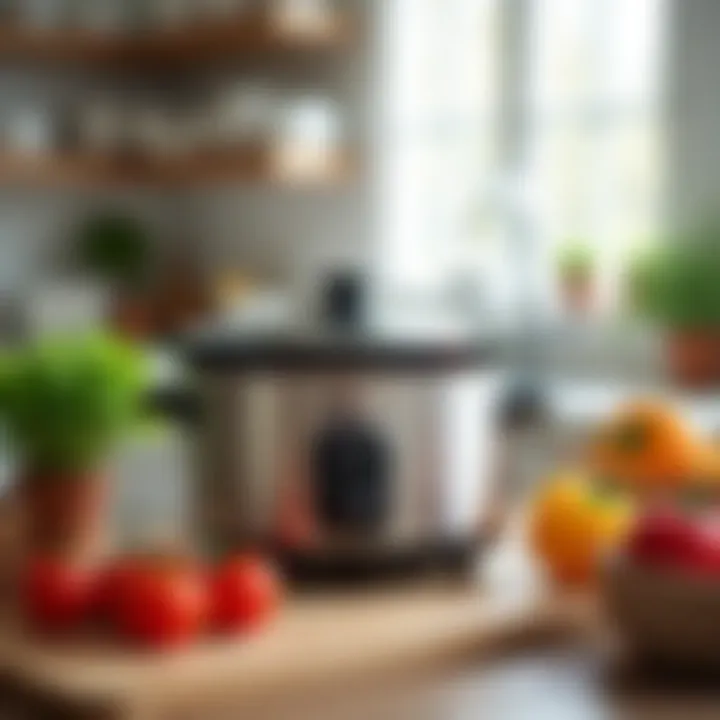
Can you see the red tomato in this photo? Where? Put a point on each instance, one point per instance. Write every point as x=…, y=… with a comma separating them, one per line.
x=55, y=595
x=162, y=605
x=245, y=594
x=109, y=584
x=665, y=538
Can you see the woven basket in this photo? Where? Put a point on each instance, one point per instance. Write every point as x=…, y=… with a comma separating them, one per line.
x=664, y=614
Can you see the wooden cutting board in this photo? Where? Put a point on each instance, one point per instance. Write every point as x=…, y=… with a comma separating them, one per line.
x=317, y=641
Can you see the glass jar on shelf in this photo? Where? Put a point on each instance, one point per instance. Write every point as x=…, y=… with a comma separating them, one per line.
x=191, y=128
x=102, y=126
x=308, y=137
x=29, y=130
x=304, y=16
x=246, y=114
x=153, y=133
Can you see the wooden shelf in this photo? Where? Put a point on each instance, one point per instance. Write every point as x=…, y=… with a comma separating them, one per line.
x=252, y=166
x=255, y=33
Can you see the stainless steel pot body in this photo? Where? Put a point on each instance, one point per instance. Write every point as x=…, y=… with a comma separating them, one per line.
x=258, y=474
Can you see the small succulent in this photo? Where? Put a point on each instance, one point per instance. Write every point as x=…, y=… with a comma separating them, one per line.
x=576, y=260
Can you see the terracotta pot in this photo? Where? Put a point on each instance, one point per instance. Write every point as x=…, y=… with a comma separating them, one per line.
x=133, y=317
x=62, y=514
x=10, y=544
x=578, y=292
x=693, y=357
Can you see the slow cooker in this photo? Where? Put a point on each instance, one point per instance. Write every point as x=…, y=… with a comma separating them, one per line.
x=344, y=454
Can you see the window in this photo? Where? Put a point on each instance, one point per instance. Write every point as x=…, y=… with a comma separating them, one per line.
x=590, y=141
x=441, y=100
x=595, y=127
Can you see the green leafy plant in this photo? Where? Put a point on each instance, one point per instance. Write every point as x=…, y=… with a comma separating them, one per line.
x=683, y=283
x=576, y=260
x=66, y=403
x=639, y=276
x=116, y=247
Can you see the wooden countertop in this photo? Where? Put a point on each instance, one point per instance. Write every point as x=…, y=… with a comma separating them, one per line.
x=317, y=641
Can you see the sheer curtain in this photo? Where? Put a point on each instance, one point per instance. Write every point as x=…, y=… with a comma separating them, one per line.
x=591, y=140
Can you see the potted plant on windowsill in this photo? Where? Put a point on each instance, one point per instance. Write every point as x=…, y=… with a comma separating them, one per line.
x=116, y=249
x=684, y=298
x=65, y=404
x=637, y=280
x=576, y=268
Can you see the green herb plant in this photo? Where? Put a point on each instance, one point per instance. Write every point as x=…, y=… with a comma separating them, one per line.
x=683, y=285
x=66, y=403
x=576, y=260
x=640, y=274
x=115, y=247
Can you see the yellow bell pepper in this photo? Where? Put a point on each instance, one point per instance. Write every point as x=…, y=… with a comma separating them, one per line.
x=572, y=523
